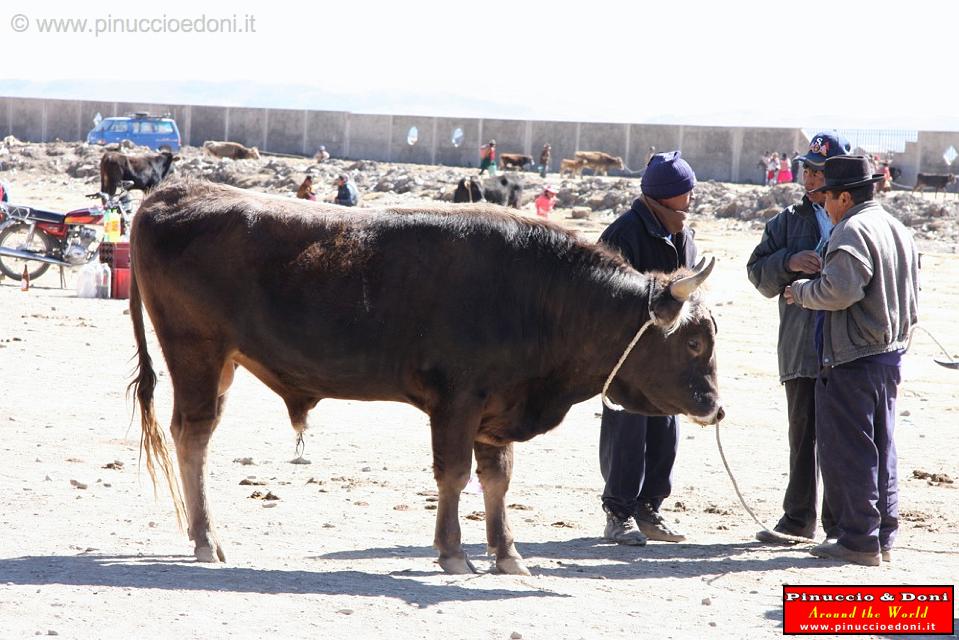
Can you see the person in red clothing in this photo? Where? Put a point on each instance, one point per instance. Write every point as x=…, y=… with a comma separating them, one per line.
x=488, y=158
x=545, y=201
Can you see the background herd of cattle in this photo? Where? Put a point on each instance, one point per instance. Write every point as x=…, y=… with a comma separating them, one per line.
x=148, y=170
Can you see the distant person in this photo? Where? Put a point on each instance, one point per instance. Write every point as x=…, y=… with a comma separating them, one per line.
x=772, y=169
x=306, y=191
x=763, y=165
x=785, y=171
x=544, y=160
x=488, y=158
x=346, y=193
x=545, y=201
x=322, y=155
x=4, y=192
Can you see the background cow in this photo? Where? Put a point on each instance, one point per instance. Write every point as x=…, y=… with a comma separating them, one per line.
x=474, y=315
x=938, y=181
x=600, y=162
x=515, y=160
x=504, y=190
x=468, y=190
x=573, y=167
x=233, y=150
x=145, y=170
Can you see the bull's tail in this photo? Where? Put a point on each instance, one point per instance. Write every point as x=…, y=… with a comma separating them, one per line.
x=152, y=441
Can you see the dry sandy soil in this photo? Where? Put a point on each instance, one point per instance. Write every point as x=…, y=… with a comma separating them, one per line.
x=88, y=552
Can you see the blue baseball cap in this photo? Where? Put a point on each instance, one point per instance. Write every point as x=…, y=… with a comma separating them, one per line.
x=823, y=146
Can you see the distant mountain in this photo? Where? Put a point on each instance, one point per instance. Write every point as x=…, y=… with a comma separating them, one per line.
x=278, y=96
x=423, y=101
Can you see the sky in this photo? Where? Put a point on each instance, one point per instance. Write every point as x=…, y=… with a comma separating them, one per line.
x=808, y=64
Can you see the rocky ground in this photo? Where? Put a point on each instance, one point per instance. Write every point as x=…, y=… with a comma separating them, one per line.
x=344, y=550
x=933, y=219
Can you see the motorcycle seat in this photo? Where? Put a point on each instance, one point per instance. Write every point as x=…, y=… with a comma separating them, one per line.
x=46, y=216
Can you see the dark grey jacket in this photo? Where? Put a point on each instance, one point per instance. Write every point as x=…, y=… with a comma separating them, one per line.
x=792, y=230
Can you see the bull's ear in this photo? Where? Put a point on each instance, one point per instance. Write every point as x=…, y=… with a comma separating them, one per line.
x=683, y=288
x=665, y=308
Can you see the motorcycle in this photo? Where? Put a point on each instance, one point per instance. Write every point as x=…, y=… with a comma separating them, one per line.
x=62, y=239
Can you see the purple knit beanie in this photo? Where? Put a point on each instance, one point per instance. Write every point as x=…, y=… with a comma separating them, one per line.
x=667, y=175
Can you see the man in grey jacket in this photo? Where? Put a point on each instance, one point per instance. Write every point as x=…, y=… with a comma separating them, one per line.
x=867, y=299
x=787, y=252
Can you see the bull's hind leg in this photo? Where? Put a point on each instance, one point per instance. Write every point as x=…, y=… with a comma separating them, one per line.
x=494, y=465
x=200, y=382
x=453, y=430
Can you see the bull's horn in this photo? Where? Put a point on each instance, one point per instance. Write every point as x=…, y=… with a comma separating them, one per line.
x=684, y=287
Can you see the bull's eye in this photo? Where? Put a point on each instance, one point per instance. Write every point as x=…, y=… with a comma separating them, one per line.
x=695, y=345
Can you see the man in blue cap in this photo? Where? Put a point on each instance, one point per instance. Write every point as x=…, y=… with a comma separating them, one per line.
x=792, y=246
x=867, y=302
x=636, y=453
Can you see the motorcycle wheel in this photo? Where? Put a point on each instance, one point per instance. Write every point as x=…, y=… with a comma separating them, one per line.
x=14, y=237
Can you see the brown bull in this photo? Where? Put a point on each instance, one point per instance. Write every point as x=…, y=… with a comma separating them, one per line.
x=233, y=150
x=573, y=167
x=599, y=161
x=472, y=314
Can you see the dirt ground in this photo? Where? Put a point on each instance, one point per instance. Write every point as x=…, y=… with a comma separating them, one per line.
x=88, y=552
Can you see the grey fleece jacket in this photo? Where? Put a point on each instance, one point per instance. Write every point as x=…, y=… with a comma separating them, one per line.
x=869, y=285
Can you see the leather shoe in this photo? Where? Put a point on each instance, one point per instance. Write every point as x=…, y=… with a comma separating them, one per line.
x=835, y=551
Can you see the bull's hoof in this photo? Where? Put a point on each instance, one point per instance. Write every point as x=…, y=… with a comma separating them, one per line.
x=512, y=566
x=206, y=553
x=457, y=565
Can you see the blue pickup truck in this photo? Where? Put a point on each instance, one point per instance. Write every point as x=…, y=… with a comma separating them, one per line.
x=157, y=132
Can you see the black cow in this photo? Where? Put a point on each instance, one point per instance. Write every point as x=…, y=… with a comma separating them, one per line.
x=468, y=190
x=504, y=190
x=938, y=181
x=145, y=171
x=472, y=314
x=514, y=160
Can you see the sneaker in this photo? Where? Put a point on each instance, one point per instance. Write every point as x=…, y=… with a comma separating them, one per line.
x=835, y=551
x=654, y=526
x=622, y=531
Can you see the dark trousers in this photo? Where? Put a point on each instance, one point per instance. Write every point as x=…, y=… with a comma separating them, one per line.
x=799, y=503
x=636, y=456
x=855, y=416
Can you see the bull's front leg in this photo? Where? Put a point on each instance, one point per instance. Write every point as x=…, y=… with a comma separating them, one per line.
x=453, y=430
x=494, y=465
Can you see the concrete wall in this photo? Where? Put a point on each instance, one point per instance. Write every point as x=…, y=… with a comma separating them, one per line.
x=467, y=154
x=285, y=131
x=207, y=123
x=932, y=145
x=716, y=153
x=368, y=137
x=561, y=136
x=328, y=128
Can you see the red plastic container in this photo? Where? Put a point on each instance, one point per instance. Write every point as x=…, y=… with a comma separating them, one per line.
x=115, y=254
x=120, y=287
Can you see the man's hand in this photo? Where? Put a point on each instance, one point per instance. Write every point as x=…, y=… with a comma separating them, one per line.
x=804, y=262
x=788, y=295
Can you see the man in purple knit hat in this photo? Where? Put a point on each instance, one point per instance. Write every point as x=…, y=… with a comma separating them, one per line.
x=636, y=453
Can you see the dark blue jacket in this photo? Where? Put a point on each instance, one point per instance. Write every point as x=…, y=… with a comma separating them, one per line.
x=646, y=245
